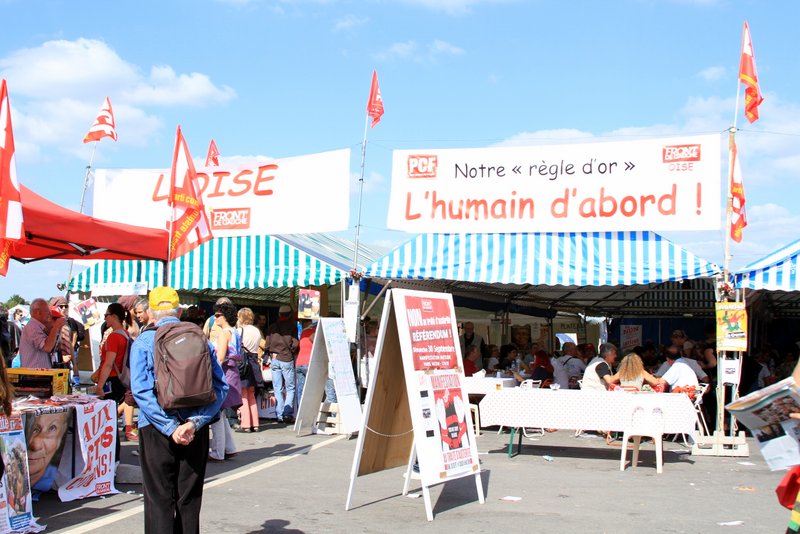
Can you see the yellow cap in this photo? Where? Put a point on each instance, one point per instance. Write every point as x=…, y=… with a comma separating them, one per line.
x=163, y=298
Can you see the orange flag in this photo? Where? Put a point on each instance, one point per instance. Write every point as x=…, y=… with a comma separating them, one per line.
x=190, y=225
x=749, y=77
x=375, y=103
x=10, y=203
x=738, y=214
x=104, y=125
x=212, y=159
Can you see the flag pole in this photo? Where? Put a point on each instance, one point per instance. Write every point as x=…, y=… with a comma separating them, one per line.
x=83, y=201
x=360, y=191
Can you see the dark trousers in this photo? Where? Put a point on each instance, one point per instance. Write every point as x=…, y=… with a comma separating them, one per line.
x=173, y=481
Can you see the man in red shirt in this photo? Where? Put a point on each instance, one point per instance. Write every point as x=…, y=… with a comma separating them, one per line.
x=472, y=355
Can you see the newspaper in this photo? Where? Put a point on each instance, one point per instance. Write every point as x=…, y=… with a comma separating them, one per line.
x=766, y=413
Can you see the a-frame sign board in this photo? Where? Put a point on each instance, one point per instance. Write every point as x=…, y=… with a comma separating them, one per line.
x=416, y=405
x=331, y=347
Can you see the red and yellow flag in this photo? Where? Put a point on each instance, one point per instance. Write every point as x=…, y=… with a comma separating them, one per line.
x=749, y=77
x=375, y=102
x=104, y=125
x=11, y=230
x=738, y=213
x=190, y=225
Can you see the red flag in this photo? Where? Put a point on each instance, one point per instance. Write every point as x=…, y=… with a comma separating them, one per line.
x=190, y=225
x=10, y=202
x=104, y=125
x=738, y=214
x=375, y=104
x=213, y=155
x=749, y=77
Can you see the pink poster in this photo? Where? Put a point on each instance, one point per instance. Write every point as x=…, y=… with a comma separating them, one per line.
x=430, y=325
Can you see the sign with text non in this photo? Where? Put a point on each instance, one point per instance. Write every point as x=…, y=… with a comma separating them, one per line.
x=655, y=184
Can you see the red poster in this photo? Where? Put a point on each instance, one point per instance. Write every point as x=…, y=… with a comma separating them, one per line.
x=451, y=412
x=430, y=325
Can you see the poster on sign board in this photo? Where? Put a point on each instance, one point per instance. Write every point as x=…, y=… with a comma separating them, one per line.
x=242, y=199
x=96, y=427
x=15, y=487
x=654, y=184
x=731, y=326
x=428, y=334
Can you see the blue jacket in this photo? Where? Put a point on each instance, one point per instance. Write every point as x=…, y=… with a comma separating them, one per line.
x=144, y=388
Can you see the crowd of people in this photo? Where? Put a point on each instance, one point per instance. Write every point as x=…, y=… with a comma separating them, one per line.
x=679, y=365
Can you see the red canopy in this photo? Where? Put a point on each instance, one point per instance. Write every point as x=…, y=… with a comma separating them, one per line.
x=53, y=232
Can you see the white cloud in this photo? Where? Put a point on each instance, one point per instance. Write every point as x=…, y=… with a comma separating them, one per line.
x=166, y=88
x=348, y=22
x=712, y=74
x=410, y=50
x=451, y=7
x=57, y=90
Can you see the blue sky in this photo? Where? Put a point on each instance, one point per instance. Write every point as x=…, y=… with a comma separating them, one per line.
x=286, y=78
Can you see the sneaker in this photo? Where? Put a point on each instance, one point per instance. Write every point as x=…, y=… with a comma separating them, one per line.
x=132, y=435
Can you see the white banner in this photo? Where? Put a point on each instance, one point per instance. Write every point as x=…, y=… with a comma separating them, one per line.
x=292, y=195
x=97, y=435
x=656, y=184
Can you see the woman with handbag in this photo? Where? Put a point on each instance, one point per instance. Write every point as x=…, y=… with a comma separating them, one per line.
x=250, y=374
x=228, y=347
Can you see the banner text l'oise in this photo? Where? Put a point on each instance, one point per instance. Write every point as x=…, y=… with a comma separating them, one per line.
x=301, y=194
x=655, y=184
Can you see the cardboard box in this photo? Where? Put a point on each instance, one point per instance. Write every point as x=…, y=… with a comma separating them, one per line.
x=52, y=381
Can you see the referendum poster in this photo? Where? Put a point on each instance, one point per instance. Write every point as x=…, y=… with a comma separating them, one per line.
x=731, y=326
x=655, y=184
x=96, y=427
x=246, y=199
x=434, y=340
x=15, y=487
x=443, y=433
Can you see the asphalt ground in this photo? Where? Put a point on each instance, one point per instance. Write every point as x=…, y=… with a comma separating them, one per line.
x=286, y=484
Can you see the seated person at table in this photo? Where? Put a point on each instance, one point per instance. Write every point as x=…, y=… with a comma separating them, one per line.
x=508, y=357
x=631, y=373
x=598, y=375
x=680, y=376
x=541, y=368
x=494, y=358
x=470, y=359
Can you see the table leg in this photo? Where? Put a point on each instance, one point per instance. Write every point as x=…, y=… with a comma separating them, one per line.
x=511, y=442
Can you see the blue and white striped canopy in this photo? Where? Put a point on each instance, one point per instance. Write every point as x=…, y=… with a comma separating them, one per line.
x=237, y=263
x=566, y=259
x=776, y=272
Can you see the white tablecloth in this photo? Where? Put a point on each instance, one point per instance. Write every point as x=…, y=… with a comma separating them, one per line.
x=481, y=386
x=576, y=409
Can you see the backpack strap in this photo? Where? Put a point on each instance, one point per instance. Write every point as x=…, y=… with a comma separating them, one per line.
x=127, y=350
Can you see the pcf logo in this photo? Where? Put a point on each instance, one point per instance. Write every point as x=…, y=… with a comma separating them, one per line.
x=422, y=166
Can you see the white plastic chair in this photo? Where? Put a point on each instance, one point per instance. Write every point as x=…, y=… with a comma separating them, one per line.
x=476, y=418
x=702, y=427
x=527, y=384
x=531, y=384
x=646, y=419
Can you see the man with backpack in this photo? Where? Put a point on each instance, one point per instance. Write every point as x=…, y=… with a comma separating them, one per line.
x=179, y=387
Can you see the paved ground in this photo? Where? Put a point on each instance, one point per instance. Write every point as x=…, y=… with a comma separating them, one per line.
x=284, y=484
